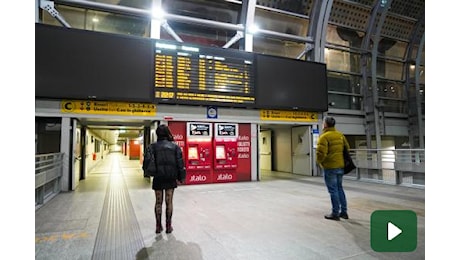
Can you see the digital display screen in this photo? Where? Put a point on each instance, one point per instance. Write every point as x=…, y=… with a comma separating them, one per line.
x=193, y=153
x=284, y=83
x=185, y=74
x=226, y=129
x=199, y=129
x=220, y=152
x=80, y=64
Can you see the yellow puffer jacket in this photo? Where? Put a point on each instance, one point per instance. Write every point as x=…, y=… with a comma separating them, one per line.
x=329, y=150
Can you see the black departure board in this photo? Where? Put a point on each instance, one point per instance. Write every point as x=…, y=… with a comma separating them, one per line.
x=186, y=74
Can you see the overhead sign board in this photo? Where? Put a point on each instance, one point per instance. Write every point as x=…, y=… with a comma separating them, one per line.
x=108, y=108
x=281, y=115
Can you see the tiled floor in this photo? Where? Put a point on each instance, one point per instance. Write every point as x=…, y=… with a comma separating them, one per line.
x=110, y=216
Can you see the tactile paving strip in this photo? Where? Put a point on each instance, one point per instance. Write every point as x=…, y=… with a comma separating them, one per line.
x=119, y=235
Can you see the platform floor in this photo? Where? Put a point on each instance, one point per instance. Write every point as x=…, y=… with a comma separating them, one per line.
x=111, y=216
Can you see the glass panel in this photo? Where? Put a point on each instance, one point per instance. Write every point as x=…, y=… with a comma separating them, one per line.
x=397, y=50
x=191, y=33
x=394, y=106
x=345, y=102
x=277, y=47
x=221, y=11
x=141, y=4
x=100, y=21
x=73, y=16
x=115, y=23
x=282, y=23
x=299, y=7
x=390, y=89
x=390, y=69
x=342, y=60
x=343, y=36
x=343, y=83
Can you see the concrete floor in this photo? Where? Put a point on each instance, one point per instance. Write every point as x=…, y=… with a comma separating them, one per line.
x=111, y=216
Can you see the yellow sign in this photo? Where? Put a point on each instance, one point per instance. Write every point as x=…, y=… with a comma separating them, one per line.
x=108, y=108
x=296, y=116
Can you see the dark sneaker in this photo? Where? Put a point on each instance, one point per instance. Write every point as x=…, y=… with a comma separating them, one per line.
x=332, y=217
x=343, y=215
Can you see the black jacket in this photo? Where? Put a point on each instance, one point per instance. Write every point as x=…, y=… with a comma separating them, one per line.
x=164, y=160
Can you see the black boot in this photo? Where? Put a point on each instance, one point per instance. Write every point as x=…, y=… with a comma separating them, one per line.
x=159, y=226
x=169, y=228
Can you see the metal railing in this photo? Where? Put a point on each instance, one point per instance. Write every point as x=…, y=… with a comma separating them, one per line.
x=48, y=172
x=390, y=166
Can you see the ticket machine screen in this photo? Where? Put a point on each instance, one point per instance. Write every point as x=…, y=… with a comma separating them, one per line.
x=193, y=153
x=220, y=152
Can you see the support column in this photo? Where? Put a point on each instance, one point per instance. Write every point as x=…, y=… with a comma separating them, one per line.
x=66, y=138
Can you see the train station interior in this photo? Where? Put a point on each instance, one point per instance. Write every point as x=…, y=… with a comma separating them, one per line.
x=244, y=87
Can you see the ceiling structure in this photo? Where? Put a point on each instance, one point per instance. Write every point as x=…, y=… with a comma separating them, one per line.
x=115, y=130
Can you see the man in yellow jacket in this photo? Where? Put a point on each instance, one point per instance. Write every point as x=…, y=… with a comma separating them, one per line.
x=329, y=156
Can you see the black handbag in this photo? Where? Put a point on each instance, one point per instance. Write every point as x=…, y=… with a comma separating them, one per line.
x=349, y=164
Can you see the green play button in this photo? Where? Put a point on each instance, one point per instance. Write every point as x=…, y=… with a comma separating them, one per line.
x=393, y=230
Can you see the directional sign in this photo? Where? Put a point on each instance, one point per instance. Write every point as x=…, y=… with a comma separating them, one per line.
x=107, y=108
x=281, y=115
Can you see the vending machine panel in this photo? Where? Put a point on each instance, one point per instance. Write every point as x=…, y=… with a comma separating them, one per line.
x=225, y=146
x=199, y=153
x=220, y=152
x=193, y=153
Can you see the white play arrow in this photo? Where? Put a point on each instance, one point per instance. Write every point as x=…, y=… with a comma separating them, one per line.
x=393, y=231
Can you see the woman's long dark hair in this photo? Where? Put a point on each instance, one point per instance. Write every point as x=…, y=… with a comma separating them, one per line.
x=163, y=133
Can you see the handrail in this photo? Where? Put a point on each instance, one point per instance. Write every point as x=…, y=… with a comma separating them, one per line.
x=392, y=166
x=48, y=173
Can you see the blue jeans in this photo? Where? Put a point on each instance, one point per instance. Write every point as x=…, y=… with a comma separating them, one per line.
x=333, y=179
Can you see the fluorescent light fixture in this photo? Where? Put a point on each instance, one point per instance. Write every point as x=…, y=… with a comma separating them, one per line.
x=158, y=13
x=253, y=29
x=95, y=20
x=188, y=48
x=166, y=46
x=248, y=62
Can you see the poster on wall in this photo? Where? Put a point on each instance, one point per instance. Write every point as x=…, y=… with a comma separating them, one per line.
x=244, y=153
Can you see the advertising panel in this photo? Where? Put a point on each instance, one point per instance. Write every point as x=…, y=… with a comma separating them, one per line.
x=243, y=171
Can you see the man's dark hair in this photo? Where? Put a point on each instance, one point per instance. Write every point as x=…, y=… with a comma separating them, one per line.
x=163, y=133
x=330, y=121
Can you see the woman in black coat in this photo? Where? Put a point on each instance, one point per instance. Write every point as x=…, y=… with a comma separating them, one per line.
x=163, y=161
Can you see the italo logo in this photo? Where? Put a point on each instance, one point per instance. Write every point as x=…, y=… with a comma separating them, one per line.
x=196, y=178
x=224, y=177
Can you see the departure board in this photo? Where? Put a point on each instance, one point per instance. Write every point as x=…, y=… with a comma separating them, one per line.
x=202, y=75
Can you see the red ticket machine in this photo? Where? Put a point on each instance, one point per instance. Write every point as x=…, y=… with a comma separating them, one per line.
x=225, y=152
x=198, y=153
